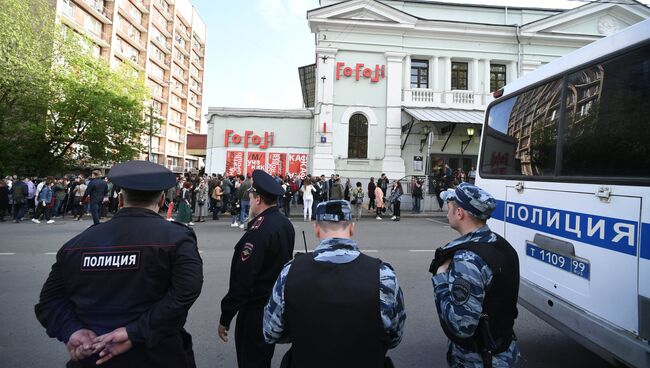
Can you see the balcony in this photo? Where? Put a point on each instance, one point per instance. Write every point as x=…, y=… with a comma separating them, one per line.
x=175, y=169
x=96, y=9
x=456, y=99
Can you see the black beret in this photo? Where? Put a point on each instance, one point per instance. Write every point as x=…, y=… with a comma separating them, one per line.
x=142, y=175
x=263, y=182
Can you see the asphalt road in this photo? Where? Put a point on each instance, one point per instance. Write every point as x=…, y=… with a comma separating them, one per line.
x=27, y=251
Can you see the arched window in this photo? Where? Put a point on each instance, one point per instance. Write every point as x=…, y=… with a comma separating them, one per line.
x=358, y=137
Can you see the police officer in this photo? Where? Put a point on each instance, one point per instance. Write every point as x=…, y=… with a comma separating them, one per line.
x=256, y=263
x=337, y=306
x=476, y=284
x=119, y=292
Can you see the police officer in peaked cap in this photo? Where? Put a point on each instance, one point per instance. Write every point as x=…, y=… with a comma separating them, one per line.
x=256, y=263
x=476, y=284
x=119, y=292
x=336, y=306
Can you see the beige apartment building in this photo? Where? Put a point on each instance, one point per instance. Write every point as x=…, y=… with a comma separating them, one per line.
x=165, y=40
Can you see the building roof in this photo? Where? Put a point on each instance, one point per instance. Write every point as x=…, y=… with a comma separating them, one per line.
x=439, y=115
x=262, y=113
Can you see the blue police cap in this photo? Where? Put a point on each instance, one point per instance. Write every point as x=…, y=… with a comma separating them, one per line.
x=334, y=211
x=471, y=198
x=263, y=182
x=142, y=175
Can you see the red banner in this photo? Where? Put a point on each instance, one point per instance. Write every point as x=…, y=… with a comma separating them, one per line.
x=256, y=160
x=277, y=164
x=234, y=162
x=298, y=164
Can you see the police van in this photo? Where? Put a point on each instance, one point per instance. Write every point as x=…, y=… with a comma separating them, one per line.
x=566, y=152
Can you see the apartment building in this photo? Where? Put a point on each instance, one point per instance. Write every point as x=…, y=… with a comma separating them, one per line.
x=165, y=40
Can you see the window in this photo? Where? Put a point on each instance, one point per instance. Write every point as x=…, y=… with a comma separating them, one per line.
x=607, y=115
x=419, y=73
x=157, y=53
x=93, y=26
x=176, y=117
x=156, y=89
x=358, y=137
x=459, y=76
x=497, y=77
x=135, y=14
x=156, y=71
x=522, y=133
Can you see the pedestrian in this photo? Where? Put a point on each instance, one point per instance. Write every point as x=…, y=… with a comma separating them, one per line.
x=472, y=175
x=184, y=213
x=319, y=194
x=31, y=195
x=59, y=196
x=97, y=191
x=337, y=192
x=79, y=199
x=379, y=202
x=286, y=199
x=227, y=188
x=371, y=194
x=348, y=188
x=217, y=196
x=396, y=199
x=417, y=195
x=243, y=200
x=357, y=200
x=257, y=261
x=448, y=177
x=439, y=187
x=19, y=192
x=382, y=182
x=45, y=197
x=308, y=191
x=476, y=284
x=4, y=199
x=202, y=204
x=337, y=306
x=119, y=292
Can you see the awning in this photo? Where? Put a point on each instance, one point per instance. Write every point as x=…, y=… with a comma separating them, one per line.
x=435, y=114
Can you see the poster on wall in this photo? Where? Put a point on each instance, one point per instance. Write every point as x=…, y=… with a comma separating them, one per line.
x=298, y=164
x=254, y=161
x=277, y=164
x=234, y=163
x=418, y=163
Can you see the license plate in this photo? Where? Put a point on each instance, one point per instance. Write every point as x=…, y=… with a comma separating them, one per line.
x=577, y=266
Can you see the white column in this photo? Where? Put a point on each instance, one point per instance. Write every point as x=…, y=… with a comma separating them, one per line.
x=406, y=81
x=322, y=156
x=476, y=90
x=512, y=72
x=434, y=79
x=486, y=81
x=393, y=164
x=447, y=79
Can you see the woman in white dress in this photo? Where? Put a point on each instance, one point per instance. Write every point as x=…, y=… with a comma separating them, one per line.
x=307, y=190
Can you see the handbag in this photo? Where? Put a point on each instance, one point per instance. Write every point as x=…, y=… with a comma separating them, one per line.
x=201, y=202
x=85, y=200
x=354, y=201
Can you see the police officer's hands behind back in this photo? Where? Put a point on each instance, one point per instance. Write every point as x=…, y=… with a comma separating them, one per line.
x=112, y=344
x=223, y=333
x=80, y=344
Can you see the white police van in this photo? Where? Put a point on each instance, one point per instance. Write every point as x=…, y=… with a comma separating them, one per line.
x=566, y=152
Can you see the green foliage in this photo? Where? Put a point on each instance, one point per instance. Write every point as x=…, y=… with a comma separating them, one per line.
x=60, y=106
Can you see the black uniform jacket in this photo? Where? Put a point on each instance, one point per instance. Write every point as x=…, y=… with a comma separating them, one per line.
x=257, y=261
x=137, y=271
x=97, y=189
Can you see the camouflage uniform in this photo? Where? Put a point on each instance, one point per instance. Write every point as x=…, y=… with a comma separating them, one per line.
x=337, y=250
x=462, y=317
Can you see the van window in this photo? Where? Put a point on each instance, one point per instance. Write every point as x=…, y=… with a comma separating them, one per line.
x=608, y=118
x=522, y=133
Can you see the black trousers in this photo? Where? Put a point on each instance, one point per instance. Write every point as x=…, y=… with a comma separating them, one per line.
x=252, y=350
x=396, y=208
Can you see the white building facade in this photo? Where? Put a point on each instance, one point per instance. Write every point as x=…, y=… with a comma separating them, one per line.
x=398, y=83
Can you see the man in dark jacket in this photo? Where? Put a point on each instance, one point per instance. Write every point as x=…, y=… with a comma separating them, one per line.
x=119, y=293
x=97, y=190
x=19, y=192
x=259, y=256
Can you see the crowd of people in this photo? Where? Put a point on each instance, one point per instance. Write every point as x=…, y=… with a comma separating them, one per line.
x=195, y=197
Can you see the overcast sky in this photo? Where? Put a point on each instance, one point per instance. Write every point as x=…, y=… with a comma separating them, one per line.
x=255, y=47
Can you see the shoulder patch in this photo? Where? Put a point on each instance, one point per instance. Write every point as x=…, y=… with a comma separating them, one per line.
x=256, y=225
x=247, y=251
x=460, y=291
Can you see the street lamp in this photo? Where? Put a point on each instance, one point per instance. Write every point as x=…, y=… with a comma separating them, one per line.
x=464, y=144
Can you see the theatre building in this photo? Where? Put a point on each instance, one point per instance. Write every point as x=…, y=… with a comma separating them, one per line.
x=400, y=87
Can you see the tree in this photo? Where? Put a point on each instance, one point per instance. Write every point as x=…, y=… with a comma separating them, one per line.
x=60, y=106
